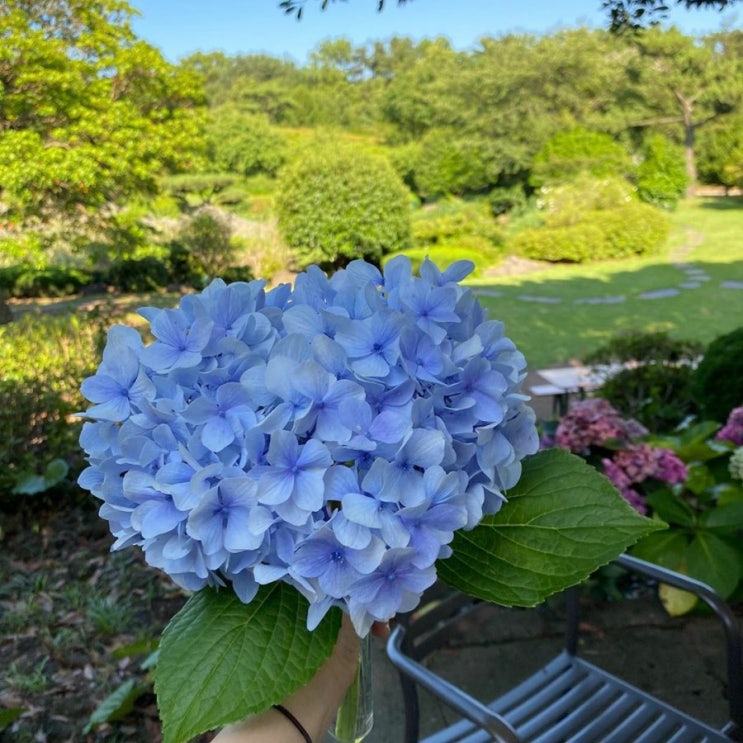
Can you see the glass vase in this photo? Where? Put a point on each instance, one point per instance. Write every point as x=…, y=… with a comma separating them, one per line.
x=355, y=717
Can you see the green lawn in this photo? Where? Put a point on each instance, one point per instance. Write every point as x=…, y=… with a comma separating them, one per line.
x=706, y=232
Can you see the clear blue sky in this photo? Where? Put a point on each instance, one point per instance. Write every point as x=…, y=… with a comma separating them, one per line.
x=181, y=27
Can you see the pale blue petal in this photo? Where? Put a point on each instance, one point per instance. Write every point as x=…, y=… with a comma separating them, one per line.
x=217, y=434
x=362, y=509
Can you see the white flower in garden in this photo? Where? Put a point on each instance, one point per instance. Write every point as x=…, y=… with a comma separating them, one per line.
x=736, y=464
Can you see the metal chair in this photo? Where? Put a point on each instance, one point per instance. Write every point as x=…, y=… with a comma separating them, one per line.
x=567, y=700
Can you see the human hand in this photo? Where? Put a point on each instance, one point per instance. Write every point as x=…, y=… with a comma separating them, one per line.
x=314, y=705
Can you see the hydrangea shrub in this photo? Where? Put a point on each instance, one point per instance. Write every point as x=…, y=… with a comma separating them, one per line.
x=595, y=430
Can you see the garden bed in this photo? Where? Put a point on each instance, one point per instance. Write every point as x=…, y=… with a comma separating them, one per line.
x=75, y=622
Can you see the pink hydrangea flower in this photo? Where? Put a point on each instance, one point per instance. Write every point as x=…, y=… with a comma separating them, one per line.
x=669, y=468
x=615, y=474
x=638, y=462
x=591, y=422
x=635, y=500
x=733, y=429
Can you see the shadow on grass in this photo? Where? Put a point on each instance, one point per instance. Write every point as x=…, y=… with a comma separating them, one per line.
x=555, y=321
x=721, y=203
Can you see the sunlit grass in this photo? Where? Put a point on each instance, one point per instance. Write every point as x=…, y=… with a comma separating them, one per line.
x=707, y=232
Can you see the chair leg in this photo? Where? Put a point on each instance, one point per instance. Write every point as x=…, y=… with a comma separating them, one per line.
x=412, y=709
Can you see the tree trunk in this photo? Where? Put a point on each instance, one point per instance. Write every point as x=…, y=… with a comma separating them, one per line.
x=689, y=132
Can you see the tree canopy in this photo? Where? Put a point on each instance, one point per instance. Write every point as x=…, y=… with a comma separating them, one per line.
x=89, y=114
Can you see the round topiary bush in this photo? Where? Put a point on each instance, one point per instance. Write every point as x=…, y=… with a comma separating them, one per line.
x=717, y=384
x=662, y=177
x=336, y=203
x=571, y=153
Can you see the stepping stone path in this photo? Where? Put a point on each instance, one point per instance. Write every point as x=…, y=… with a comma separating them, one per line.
x=695, y=277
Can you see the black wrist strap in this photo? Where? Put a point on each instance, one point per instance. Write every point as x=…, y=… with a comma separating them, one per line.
x=294, y=721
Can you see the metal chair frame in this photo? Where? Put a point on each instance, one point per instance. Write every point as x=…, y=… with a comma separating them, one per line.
x=569, y=699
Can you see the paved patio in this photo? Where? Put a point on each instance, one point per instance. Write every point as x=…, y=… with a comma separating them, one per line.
x=680, y=660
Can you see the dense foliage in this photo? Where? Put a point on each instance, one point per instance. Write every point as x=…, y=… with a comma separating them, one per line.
x=717, y=385
x=653, y=381
x=661, y=176
x=111, y=117
x=689, y=479
x=44, y=359
x=476, y=120
x=90, y=114
x=338, y=203
x=575, y=152
x=588, y=219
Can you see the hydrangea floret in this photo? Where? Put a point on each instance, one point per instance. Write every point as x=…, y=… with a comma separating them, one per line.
x=735, y=465
x=733, y=429
x=594, y=429
x=332, y=435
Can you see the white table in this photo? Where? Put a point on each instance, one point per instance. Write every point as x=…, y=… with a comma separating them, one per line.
x=570, y=380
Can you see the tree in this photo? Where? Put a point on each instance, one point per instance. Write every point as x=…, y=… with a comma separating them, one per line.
x=686, y=83
x=89, y=115
x=637, y=14
x=244, y=143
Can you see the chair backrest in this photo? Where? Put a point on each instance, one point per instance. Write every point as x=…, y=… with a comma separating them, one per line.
x=433, y=623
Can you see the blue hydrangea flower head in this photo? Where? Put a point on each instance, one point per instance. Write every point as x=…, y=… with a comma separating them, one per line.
x=333, y=434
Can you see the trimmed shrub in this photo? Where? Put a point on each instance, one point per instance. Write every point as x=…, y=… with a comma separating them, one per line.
x=447, y=164
x=577, y=243
x=52, y=281
x=655, y=386
x=337, y=203
x=455, y=221
x=633, y=229
x=717, y=385
x=207, y=236
x=661, y=177
x=592, y=220
x=146, y=274
x=570, y=153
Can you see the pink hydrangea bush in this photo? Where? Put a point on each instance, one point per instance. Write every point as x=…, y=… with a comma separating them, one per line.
x=597, y=431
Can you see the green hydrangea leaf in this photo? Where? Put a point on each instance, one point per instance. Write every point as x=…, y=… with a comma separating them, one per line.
x=222, y=660
x=562, y=521
x=715, y=562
